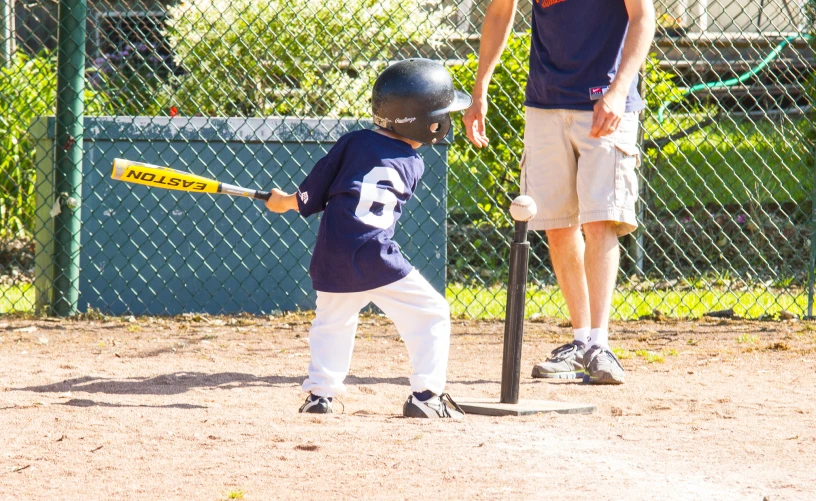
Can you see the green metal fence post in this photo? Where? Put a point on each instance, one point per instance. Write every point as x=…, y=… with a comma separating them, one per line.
x=6, y=31
x=68, y=175
x=812, y=261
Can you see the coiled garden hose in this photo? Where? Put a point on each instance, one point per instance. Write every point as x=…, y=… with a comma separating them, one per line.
x=731, y=82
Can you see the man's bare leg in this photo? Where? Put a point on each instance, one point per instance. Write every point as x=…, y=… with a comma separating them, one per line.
x=601, y=261
x=567, y=254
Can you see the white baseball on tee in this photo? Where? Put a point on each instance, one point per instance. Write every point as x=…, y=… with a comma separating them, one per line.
x=523, y=208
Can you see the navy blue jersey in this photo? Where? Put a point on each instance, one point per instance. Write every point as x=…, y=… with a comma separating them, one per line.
x=361, y=185
x=575, y=53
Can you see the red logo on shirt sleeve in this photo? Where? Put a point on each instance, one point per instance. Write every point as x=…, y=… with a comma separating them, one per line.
x=548, y=3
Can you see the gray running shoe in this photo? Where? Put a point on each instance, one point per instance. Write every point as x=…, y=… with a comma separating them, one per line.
x=566, y=362
x=602, y=367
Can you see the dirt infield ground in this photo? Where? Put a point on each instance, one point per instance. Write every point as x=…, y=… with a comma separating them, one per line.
x=206, y=409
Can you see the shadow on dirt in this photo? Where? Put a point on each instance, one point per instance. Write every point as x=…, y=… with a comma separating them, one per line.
x=166, y=384
x=181, y=382
x=80, y=402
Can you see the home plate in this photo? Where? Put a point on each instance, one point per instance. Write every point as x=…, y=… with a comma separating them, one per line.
x=490, y=407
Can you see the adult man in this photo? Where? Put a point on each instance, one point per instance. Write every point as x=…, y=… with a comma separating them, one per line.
x=580, y=153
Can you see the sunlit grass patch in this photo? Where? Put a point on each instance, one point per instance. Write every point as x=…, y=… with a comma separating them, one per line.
x=650, y=356
x=547, y=301
x=748, y=339
x=622, y=353
x=489, y=302
x=18, y=298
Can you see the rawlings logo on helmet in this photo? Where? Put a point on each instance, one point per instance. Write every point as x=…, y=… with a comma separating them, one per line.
x=405, y=120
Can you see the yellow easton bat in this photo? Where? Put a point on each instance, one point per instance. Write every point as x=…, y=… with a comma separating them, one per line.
x=171, y=179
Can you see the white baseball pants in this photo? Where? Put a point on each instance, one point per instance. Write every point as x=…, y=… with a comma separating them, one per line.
x=422, y=318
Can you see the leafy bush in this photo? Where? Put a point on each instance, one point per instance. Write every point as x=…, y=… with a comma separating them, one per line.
x=660, y=87
x=811, y=82
x=291, y=57
x=481, y=180
x=134, y=80
x=28, y=89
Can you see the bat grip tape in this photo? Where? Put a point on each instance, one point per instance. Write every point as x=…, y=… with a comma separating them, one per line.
x=229, y=189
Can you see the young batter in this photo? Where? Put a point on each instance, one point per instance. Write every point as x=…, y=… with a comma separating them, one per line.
x=361, y=186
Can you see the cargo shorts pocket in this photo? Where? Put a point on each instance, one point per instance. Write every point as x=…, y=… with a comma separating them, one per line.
x=523, y=173
x=626, y=181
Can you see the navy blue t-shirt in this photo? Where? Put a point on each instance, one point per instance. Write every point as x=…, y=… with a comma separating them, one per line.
x=361, y=185
x=575, y=53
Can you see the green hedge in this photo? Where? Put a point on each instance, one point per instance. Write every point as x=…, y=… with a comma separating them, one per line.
x=292, y=57
x=28, y=89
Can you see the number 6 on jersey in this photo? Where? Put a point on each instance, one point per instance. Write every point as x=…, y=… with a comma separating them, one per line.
x=375, y=191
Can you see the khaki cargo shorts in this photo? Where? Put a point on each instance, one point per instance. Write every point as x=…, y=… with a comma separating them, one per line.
x=575, y=179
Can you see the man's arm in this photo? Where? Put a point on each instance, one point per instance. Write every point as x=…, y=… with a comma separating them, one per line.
x=496, y=27
x=610, y=108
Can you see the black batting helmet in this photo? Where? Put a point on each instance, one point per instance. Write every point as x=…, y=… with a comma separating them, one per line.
x=413, y=98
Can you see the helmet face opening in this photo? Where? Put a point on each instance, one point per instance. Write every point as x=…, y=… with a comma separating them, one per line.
x=414, y=98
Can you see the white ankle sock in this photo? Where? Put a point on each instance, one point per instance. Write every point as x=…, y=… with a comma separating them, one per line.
x=598, y=337
x=581, y=334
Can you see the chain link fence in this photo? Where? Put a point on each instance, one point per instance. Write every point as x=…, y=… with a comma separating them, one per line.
x=256, y=92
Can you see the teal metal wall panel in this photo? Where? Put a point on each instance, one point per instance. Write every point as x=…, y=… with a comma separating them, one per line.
x=151, y=251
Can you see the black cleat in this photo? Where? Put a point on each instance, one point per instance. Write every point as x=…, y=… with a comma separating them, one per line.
x=316, y=405
x=433, y=408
